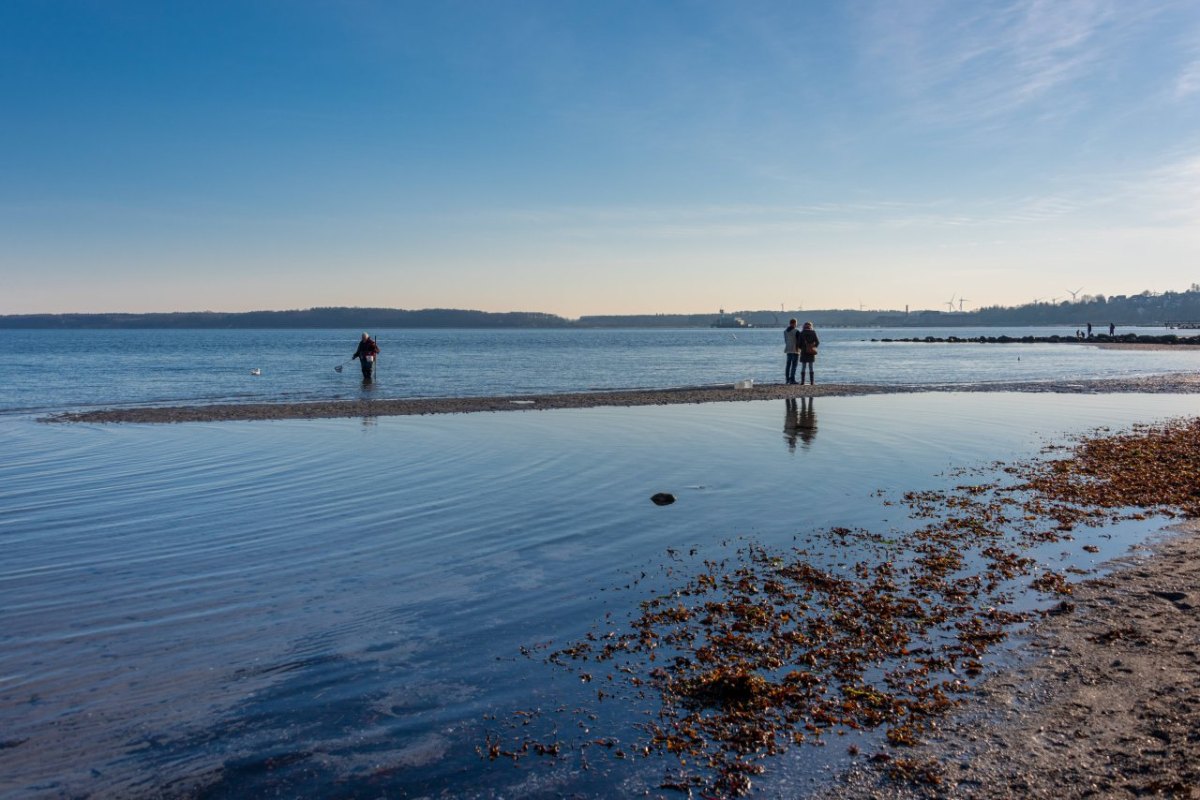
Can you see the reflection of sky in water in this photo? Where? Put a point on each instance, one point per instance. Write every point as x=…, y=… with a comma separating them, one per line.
x=270, y=606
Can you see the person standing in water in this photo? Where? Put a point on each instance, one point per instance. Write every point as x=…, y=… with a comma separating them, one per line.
x=808, y=351
x=366, y=352
x=791, y=346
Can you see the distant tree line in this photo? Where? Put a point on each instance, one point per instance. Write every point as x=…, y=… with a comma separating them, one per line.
x=354, y=318
x=1147, y=308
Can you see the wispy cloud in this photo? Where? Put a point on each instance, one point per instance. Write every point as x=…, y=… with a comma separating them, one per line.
x=983, y=63
x=1188, y=82
x=1174, y=190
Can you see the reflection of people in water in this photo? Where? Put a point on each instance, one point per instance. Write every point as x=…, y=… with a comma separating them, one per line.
x=799, y=421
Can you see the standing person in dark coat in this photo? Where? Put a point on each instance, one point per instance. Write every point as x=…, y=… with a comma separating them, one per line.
x=791, y=346
x=808, y=351
x=366, y=352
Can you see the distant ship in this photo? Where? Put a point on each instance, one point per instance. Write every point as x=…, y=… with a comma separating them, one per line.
x=730, y=322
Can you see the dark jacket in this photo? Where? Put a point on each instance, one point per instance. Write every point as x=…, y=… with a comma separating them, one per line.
x=808, y=338
x=366, y=347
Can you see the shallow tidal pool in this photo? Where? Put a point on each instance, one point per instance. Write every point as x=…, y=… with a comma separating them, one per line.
x=351, y=607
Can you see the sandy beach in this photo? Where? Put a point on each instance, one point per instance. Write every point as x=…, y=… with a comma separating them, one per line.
x=1104, y=702
x=1109, y=704
x=1141, y=346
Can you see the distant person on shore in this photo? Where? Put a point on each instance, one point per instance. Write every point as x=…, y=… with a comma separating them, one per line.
x=808, y=351
x=366, y=352
x=791, y=346
x=1112, y=329
x=1089, y=330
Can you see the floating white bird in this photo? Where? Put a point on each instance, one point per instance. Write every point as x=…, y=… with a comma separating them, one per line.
x=256, y=371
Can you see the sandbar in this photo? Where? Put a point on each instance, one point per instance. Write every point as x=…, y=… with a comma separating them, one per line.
x=1180, y=383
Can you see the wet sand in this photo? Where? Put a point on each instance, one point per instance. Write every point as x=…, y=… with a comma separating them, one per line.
x=1105, y=702
x=1141, y=346
x=1178, y=383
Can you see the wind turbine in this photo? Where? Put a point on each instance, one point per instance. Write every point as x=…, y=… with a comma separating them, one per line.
x=950, y=303
x=961, y=300
x=1074, y=294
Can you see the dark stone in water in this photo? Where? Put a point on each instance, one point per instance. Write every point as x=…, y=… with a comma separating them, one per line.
x=662, y=499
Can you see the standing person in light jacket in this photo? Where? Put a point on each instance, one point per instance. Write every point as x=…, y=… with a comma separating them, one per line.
x=808, y=351
x=791, y=346
x=366, y=352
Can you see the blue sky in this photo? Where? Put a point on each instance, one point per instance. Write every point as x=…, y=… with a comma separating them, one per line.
x=594, y=157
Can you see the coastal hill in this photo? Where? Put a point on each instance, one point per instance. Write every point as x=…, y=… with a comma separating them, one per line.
x=1146, y=308
x=340, y=317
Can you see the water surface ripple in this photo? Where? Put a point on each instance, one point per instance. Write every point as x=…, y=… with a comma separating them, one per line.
x=49, y=371
x=333, y=608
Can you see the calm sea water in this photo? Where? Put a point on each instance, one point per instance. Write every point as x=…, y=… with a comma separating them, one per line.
x=337, y=608
x=55, y=370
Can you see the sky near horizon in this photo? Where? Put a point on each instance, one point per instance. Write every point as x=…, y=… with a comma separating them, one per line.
x=595, y=156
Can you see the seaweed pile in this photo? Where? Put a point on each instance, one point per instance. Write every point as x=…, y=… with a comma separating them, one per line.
x=768, y=649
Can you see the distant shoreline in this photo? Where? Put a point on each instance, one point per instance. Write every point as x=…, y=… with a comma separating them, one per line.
x=1179, y=383
x=1127, y=342
x=1167, y=309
